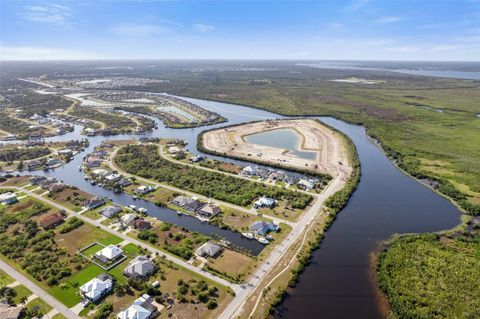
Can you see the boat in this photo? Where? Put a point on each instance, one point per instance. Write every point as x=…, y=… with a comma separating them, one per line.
x=263, y=240
x=179, y=213
x=248, y=235
x=269, y=237
x=79, y=168
x=93, y=182
x=134, y=197
x=142, y=210
x=225, y=242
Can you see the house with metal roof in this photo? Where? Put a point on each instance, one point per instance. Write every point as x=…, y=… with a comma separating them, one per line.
x=263, y=228
x=142, y=308
x=140, y=267
x=97, y=288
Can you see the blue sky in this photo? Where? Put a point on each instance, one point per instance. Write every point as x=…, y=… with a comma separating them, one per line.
x=323, y=29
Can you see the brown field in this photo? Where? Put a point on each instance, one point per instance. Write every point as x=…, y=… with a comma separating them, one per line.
x=70, y=197
x=329, y=146
x=231, y=262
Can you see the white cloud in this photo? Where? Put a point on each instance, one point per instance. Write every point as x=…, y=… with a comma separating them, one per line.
x=440, y=48
x=388, y=19
x=24, y=53
x=200, y=27
x=46, y=13
x=140, y=30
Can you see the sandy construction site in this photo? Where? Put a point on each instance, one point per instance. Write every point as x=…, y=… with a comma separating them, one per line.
x=331, y=158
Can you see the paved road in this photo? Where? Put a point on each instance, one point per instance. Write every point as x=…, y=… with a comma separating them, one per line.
x=217, y=202
x=37, y=290
x=131, y=240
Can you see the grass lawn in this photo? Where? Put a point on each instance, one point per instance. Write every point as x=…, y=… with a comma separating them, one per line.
x=67, y=292
x=161, y=194
x=92, y=214
x=121, y=303
x=21, y=291
x=30, y=187
x=59, y=316
x=282, y=211
x=130, y=250
x=41, y=304
x=89, y=252
x=5, y=279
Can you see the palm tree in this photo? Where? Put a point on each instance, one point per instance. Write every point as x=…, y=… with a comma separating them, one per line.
x=23, y=301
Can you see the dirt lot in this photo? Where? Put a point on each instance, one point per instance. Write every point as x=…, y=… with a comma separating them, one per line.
x=329, y=145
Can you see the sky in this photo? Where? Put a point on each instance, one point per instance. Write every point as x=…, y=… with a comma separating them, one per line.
x=441, y=30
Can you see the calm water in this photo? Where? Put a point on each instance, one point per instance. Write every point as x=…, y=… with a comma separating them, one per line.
x=336, y=284
x=282, y=138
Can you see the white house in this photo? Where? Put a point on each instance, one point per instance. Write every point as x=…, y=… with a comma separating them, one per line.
x=97, y=288
x=141, y=308
x=264, y=202
x=140, y=267
x=8, y=198
x=109, y=253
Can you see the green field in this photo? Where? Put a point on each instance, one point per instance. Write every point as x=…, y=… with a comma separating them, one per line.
x=428, y=276
x=21, y=292
x=40, y=304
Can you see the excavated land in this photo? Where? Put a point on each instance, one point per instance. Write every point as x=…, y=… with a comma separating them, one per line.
x=330, y=146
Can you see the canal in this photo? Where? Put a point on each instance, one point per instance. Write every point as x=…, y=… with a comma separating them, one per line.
x=337, y=283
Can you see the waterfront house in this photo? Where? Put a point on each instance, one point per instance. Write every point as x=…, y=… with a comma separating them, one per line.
x=109, y=254
x=142, y=308
x=128, y=218
x=112, y=177
x=306, y=184
x=65, y=152
x=110, y=211
x=249, y=171
x=193, y=206
x=208, y=211
x=265, y=202
x=97, y=288
x=51, y=221
x=53, y=162
x=8, y=198
x=263, y=228
x=94, y=203
x=32, y=165
x=144, y=189
x=208, y=249
x=181, y=201
x=139, y=268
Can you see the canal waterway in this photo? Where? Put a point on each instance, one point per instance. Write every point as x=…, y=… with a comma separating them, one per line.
x=337, y=283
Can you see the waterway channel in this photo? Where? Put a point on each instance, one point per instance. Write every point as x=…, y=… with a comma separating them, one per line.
x=337, y=284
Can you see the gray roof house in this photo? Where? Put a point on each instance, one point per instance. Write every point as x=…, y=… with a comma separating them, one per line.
x=97, y=288
x=209, y=249
x=262, y=228
x=140, y=267
x=110, y=211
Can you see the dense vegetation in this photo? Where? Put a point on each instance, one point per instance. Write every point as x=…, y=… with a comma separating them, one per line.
x=429, y=276
x=144, y=160
x=71, y=224
x=15, y=126
x=23, y=153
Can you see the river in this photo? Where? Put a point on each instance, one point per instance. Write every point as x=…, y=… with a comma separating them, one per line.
x=337, y=283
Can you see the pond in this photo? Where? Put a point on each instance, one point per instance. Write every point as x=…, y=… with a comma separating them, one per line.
x=283, y=138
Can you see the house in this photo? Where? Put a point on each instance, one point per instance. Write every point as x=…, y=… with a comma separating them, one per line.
x=8, y=198
x=109, y=254
x=208, y=210
x=97, y=288
x=10, y=312
x=110, y=211
x=193, y=206
x=99, y=172
x=128, y=218
x=249, y=170
x=54, y=187
x=124, y=182
x=144, y=189
x=94, y=203
x=65, y=152
x=141, y=224
x=31, y=165
x=142, y=308
x=181, y=201
x=265, y=202
x=140, y=267
x=262, y=228
x=36, y=180
x=112, y=177
x=51, y=221
x=306, y=184
x=53, y=162
x=173, y=150
x=197, y=158
x=208, y=249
